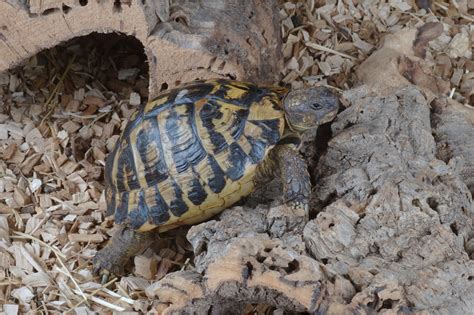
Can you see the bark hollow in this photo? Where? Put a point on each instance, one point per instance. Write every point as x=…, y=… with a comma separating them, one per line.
x=183, y=41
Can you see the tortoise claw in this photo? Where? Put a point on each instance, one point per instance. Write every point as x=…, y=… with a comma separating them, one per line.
x=105, y=277
x=104, y=266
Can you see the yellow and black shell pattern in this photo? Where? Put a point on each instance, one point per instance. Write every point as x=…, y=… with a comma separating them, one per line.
x=191, y=152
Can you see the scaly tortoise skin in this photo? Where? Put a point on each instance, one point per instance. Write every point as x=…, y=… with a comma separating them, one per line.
x=197, y=149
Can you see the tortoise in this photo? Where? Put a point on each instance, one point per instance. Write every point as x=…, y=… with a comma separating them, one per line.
x=198, y=149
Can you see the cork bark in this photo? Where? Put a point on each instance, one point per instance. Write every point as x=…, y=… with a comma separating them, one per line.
x=183, y=41
x=394, y=233
x=453, y=127
x=391, y=228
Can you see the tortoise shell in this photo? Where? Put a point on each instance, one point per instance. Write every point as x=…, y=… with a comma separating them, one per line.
x=191, y=152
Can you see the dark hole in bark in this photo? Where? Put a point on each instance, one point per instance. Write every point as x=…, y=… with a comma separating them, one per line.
x=231, y=76
x=83, y=2
x=332, y=196
x=348, y=125
x=117, y=6
x=374, y=302
x=373, y=191
x=66, y=9
x=181, y=20
x=387, y=304
x=260, y=258
x=248, y=270
x=293, y=266
x=202, y=248
x=49, y=11
x=399, y=256
x=432, y=203
x=164, y=86
x=323, y=135
x=454, y=228
x=416, y=203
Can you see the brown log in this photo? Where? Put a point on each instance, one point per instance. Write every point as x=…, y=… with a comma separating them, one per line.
x=183, y=41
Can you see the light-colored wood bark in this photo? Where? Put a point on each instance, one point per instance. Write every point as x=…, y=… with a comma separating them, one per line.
x=183, y=41
x=454, y=133
x=393, y=224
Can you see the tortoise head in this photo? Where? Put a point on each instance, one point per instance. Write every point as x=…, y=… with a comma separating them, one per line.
x=308, y=108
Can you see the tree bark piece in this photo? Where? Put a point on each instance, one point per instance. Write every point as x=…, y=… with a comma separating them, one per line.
x=393, y=224
x=206, y=39
x=454, y=134
x=402, y=218
x=243, y=263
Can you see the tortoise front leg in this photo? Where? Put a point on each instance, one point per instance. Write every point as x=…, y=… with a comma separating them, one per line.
x=286, y=162
x=125, y=243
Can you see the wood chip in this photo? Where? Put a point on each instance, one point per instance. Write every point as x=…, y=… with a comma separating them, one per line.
x=23, y=294
x=146, y=266
x=39, y=279
x=85, y=238
x=10, y=309
x=134, y=99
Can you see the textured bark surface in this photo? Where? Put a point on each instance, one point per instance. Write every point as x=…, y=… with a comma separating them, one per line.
x=183, y=41
x=393, y=224
x=402, y=219
x=454, y=133
x=393, y=237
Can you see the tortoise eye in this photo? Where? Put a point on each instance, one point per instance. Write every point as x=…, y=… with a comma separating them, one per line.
x=316, y=106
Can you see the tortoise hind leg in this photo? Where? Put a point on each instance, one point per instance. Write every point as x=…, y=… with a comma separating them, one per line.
x=285, y=161
x=125, y=243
